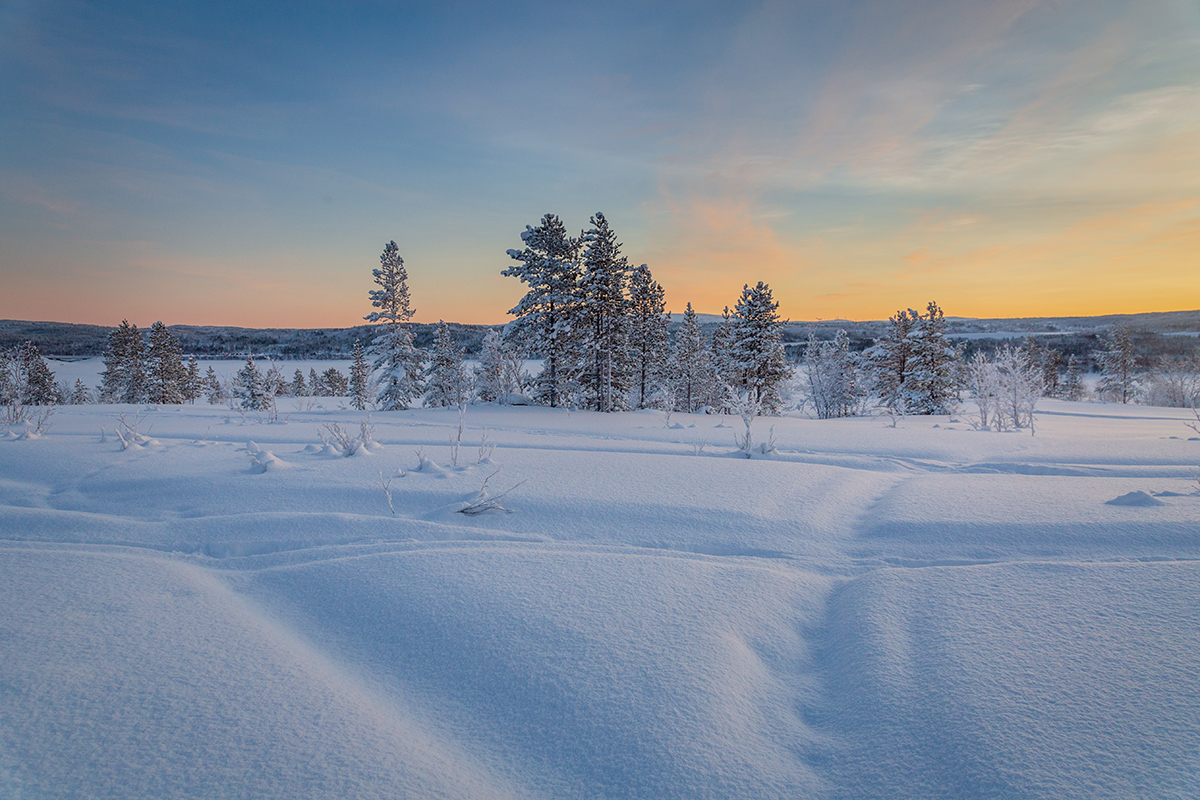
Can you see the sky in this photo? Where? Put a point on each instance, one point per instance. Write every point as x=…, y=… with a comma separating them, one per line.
x=246, y=163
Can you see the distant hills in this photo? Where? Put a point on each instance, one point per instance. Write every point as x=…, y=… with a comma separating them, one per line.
x=210, y=341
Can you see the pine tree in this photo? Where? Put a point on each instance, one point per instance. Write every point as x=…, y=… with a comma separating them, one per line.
x=649, y=341
x=690, y=368
x=359, y=375
x=193, y=385
x=545, y=316
x=165, y=373
x=250, y=386
x=444, y=376
x=124, y=377
x=721, y=362
x=299, y=389
x=397, y=362
x=490, y=379
x=335, y=383
x=931, y=387
x=316, y=387
x=80, y=394
x=39, y=387
x=890, y=359
x=756, y=348
x=214, y=392
x=603, y=315
x=1118, y=366
x=1072, y=383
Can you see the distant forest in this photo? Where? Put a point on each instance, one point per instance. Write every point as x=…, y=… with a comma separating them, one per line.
x=1154, y=335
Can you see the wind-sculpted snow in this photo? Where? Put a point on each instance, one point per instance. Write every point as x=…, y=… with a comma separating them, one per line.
x=231, y=609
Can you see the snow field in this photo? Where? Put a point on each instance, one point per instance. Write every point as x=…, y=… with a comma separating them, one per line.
x=919, y=611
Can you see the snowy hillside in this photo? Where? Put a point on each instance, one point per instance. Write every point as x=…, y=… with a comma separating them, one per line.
x=227, y=608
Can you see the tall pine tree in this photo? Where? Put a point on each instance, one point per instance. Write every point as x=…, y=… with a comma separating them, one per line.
x=690, y=367
x=397, y=361
x=603, y=313
x=545, y=317
x=649, y=341
x=165, y=374
x=124, y=377
x=756, y=348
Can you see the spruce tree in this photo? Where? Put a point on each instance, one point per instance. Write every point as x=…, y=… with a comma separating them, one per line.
x=756, y=348
x=1118, y=366
x=649, y=340
x=545, y=317
x=299, y=388
x=80, y=394
x=603, y=314
x=165, y=373
x=444, y=376
x=316, y=387
x=397, y=362
x=690, y=367
x=359, y=375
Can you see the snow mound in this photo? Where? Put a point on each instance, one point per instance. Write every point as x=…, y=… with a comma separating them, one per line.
x=265, y=460
x=1138, y=498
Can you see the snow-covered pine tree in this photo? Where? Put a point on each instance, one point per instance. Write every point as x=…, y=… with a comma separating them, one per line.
x=249, y=384
x=1072, y=383
x=756, y=348
x=359, y=377
x=299, y=388
x=316, y=387
x=80, y=394
x=931, y=386
x=124, y=377
x=444, y=379
x=165, y=373
x=649, y=341
x=8, y=380
x=890, y=358
x=39, y=388
x=335, y=383
x=397, y=364
x=724, y=372
x=489, y=375
x=690, y=367
x=214, y=392
x=193, y=384
x=834, y=380
x=603, y=316
x=546, y=316
x=1118, y=366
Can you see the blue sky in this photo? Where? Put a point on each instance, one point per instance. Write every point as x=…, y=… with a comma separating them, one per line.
x=245, y=163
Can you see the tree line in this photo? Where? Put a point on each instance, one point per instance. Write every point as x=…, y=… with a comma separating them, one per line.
x=599, y=325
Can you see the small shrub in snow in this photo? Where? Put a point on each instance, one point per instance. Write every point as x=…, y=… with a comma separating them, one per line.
x=485, y=501
x=345, y=442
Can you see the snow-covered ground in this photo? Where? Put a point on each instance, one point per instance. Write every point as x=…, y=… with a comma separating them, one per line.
x=924, y=611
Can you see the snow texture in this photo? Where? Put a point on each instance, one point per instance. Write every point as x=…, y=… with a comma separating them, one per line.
x=918, y=611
